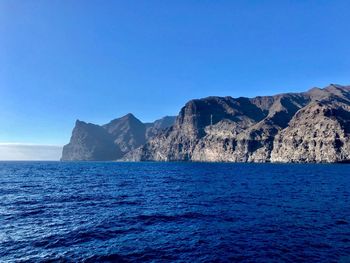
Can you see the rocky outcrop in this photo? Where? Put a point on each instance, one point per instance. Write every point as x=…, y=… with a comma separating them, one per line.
x=319, y=132
x=127, y=132
x=297, y=127
x=90, y=142
x=154, y=128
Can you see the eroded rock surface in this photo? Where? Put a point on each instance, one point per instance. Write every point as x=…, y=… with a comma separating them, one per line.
x=297, y=127
x=90, y=142
x=312, y=126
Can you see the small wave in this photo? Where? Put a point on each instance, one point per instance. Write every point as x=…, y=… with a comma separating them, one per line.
x=125, y=202
x=155, y=218
x=31, y=212
x=341, y=222
x=105, y=258
x=75, y=198
x=82, y=236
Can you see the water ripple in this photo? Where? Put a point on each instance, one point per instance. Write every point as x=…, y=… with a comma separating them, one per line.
x=173, y=212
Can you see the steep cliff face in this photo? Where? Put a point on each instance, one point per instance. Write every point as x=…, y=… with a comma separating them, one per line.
x=275, y=128
x=312, y=126
x=127, y=132
x=319, y=132
x=90, y=142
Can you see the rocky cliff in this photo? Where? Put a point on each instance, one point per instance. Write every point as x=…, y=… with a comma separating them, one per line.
x=313, y=126
x=154, y=128
x=127, y=132
x=90, y=142
x=319, y=132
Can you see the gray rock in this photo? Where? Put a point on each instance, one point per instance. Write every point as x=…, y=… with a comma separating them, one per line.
x=90, y=142
x=154, y=128
x=128, y=132
x=312, y=126
x=318, y=132
x=297, y=127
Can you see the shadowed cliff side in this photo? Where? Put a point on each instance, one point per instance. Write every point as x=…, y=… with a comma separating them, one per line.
x=127, y=132
x=90, y=142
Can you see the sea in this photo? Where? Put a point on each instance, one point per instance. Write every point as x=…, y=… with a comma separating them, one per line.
x=174, y=212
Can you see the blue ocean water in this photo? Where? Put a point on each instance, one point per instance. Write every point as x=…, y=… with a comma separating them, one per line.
x=174, y=212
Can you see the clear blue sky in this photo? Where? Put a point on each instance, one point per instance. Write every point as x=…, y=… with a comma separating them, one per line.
x=97, y=60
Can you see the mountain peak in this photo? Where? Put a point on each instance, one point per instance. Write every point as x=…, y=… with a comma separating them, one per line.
x=129, y=116
x=78, y=122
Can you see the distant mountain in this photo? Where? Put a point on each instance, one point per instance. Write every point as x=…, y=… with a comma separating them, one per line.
x=313, y=126
x=127, y=132
x=90, y=142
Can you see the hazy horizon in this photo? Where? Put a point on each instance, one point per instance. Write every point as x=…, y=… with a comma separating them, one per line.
x=29, y=152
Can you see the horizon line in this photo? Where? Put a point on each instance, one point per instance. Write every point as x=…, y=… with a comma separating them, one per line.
x=29, y=144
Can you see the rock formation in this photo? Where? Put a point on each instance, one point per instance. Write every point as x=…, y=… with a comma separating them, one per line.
x=127, y=132
x=312, y=126
x=90, y=142
x=319, y=132
x=152, y=129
